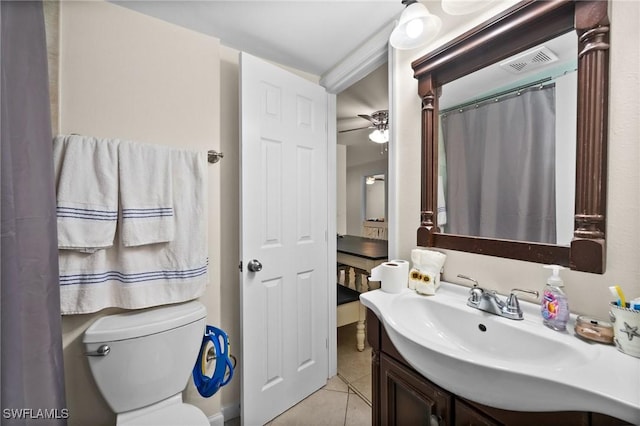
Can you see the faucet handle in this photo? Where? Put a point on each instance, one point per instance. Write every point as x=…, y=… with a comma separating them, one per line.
x=475, y=283
x=534, y=292
x=513, y=305
x=476, y=292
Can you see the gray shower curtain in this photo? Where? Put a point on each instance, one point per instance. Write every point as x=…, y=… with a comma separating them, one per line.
x=501, y=167
x=32, y=376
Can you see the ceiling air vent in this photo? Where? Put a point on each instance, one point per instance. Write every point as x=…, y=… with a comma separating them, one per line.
x=532, y=59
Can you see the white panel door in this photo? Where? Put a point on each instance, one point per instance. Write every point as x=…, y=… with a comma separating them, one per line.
x=284, y=226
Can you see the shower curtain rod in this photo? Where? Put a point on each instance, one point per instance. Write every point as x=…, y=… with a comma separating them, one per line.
x=508, y=91
x=497, y=95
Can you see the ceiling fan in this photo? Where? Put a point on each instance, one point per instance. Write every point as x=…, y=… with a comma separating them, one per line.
x=379, y=123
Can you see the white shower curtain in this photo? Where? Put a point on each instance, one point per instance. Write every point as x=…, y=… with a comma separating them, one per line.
x=501, y=167
x=31, y=353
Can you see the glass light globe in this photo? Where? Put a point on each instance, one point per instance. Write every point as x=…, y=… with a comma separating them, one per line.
x=379, y=136
x=414, y=28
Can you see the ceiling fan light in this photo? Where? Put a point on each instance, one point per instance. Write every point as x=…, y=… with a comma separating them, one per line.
x=416, y=27
x=379, y=136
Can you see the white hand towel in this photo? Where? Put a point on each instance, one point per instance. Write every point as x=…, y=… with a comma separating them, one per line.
x=442, y=204
x=442, y=178
x=433, y=261
x=152, y=274
x=146, y=194
x=87, y=192
x=428, y=264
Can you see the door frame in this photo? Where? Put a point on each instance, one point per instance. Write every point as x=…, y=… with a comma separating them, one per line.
x=360, y=63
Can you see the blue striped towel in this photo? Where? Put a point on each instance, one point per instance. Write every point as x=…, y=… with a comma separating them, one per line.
x=151, y=274
x=146, y=193
x=87, y=192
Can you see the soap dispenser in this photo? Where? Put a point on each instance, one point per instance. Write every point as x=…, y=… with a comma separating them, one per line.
x=554, y=306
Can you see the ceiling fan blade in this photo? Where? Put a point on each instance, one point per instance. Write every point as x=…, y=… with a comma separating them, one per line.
x=367, y=117
x=358, y=128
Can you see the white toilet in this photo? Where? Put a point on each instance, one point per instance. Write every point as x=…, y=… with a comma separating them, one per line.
x=142, y=360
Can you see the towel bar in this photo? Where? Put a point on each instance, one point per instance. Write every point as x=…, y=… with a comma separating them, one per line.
x=214, y=156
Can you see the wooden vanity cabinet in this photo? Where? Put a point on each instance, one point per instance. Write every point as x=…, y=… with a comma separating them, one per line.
x=467, y=415
x=407, y=399
x=402, y=396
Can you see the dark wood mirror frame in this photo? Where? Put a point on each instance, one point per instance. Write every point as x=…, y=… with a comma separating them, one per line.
x=521, y=27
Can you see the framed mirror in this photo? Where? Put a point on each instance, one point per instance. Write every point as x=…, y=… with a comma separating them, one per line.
x=517, y=31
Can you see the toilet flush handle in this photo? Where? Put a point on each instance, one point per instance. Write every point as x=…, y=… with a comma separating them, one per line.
x=101, y=351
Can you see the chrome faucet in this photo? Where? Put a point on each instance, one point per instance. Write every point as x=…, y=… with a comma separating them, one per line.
x=488, y=300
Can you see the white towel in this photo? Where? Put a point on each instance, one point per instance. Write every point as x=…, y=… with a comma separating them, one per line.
x=87, y=192
x=442, y=204
x=148, y=275
x=427, y=263
x=442, y=178
x=146, y=193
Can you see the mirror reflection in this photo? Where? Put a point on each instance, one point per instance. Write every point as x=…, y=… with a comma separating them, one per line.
x=374, y=205
x=362, y=110
x=507, y=144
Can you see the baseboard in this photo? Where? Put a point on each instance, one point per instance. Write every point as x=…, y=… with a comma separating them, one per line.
x=231, y=411
x=216, y=419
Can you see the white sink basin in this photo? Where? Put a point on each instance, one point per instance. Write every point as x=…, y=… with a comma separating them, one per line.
x=504, y=363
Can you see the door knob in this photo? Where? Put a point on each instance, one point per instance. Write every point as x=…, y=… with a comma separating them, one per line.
x=254, y=265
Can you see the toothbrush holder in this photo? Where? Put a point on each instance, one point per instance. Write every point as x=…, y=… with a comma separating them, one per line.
x=626, y=329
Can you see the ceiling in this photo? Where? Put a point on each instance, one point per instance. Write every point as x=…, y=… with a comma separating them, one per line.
x=307, y=35
x=311, y=36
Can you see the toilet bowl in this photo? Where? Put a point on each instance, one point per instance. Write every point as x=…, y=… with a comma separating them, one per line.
x=142, y=360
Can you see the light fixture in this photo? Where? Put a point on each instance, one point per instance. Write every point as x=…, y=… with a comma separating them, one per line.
x=380, y=133
x=370, y=180
x=379, y=136
x=416, y=27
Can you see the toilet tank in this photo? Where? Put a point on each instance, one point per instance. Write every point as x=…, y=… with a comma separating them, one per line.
x=151, y=353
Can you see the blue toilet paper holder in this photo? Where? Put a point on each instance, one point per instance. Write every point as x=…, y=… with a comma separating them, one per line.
x=224, y=362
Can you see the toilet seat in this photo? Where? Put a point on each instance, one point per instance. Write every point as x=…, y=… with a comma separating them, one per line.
x=171, y=412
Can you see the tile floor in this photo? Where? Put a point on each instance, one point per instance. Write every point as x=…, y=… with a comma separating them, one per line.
x=345, y=400
x=354, y=367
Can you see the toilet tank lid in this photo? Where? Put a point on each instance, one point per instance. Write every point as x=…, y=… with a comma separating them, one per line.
x=138, y=323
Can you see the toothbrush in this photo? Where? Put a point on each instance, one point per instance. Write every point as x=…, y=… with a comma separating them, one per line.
x=618, y=294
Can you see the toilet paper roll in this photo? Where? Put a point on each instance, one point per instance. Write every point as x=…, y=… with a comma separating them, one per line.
x=391, y=276
x=405, y=265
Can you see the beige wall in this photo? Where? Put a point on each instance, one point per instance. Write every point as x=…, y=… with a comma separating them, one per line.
x=126, y=75
x=587, y=293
